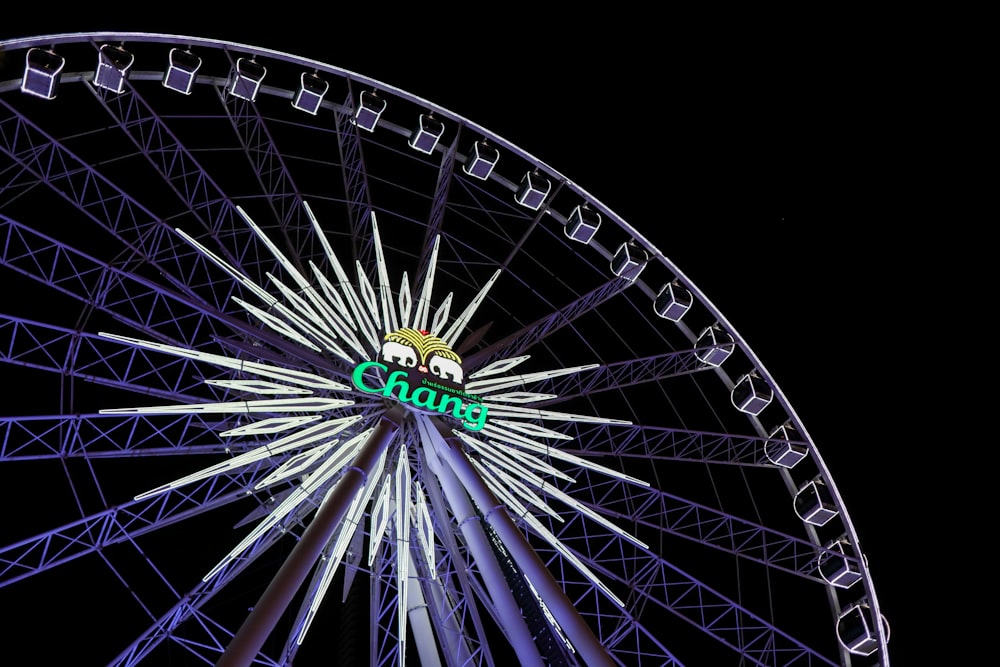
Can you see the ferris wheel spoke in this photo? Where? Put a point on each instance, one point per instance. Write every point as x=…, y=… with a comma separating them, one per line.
x=658, y=584
x=124, y=522
x=97, y=435
x=636, y=441
x=87, y=357
x=186, y=623
x=656, y=511
x=191, y=183
x=273, y=177
x=616, y=375
x=96, y=197
x=522, y=340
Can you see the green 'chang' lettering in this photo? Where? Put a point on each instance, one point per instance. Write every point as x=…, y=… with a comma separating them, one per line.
x=472, y=415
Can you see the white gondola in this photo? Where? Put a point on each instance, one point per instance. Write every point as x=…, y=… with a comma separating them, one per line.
x=181, y=71
x=42, y=69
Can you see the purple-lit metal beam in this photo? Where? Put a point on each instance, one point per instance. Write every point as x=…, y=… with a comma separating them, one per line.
x=520, y=341
x=565, y=613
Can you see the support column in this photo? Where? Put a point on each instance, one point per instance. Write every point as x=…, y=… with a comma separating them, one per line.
x=575, y=627
x=511, y=619
x=259, y=624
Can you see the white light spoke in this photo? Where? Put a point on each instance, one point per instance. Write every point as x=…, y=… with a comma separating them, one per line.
x=499, y=366
x=303, y=438
x=424, y=301
x=258, y=387
x=497, y=410
x=388, y=314
x=295, y=465
x=556, y=453
x=486, y=386
x=286, y=264
x=425, y=530
x=301, y=378
x=521, y=397
x=459, y=324
x=333, y=296
x=237, y=407
x=233, y=273
x=268, y=426
x=527, y=459
x=351, y=298
x=301, y=494
x=529, y=428
x=380, y=518
x=277, y=324
x=521, y=490
x=405, y=301
x=368, y=297
x=441, y=315
x=496, y=454
x=522, y=512
x=299, y=304
x=332, y=563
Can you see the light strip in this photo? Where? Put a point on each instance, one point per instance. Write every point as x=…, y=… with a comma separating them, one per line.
x=269, y=426
x=513, y=503
x=556, y=453
x=520, y=489
x=497, y=410
x=379, y=519
x=388, y=313
x=525, y=458
x=301, y=494
x=303, y=438
x=499, y=366
x=258, y=387
x=459, y=324
x=352, y=520
x=532, y=429
x=521, y=397
x=405, y=301
x=350, y=296
x=486, y=386
x=277, y=324
x=285, y=374
x=441, y=315
x=310, y=404
x=424, y=302
x=233, y=273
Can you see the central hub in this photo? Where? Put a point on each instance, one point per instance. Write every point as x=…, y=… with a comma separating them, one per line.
x=422, y=372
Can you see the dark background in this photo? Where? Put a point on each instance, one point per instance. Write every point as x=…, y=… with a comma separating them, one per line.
x=777, y=161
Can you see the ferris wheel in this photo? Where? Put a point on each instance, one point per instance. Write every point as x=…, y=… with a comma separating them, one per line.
x=304, y=365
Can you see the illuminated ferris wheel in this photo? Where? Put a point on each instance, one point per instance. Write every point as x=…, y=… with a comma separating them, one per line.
x=306, y=365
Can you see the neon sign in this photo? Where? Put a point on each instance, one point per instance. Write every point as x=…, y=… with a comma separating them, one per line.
x=437, y=385
x=428, y=395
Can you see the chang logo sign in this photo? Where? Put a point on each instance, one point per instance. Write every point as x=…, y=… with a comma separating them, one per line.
x=422, y=371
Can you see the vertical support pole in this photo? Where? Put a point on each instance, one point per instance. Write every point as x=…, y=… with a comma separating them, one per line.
x=259, y=624
x=511, y=619
x=569, y=619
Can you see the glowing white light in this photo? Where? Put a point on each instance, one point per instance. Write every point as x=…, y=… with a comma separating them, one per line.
x=451, y=336
x=494, y=384
x=268, y=426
